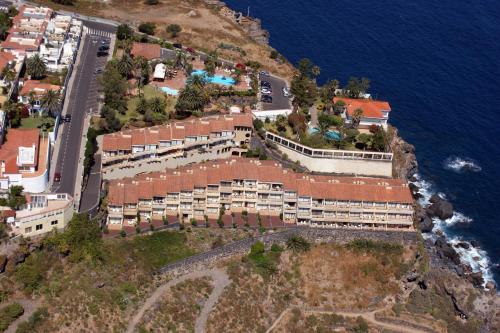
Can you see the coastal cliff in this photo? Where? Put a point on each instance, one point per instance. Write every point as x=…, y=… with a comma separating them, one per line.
x=405, y=161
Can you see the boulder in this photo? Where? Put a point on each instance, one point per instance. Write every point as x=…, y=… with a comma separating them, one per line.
x=425, y=224
x=464, y=245
x=412, y=277
x=435, y=198
x=475, y=243
x=445, y=250
x=476, y=279
x=441, y=209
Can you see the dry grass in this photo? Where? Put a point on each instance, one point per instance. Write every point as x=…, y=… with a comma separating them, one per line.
x=179, y=307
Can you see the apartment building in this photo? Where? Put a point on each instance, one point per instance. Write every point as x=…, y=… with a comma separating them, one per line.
x=250, y=186
x=24, y=160
x=127, y=153
x=26, y=34
x=43, y=213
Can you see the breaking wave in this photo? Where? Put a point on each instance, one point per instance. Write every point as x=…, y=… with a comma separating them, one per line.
x=476, y=258
x=461, y=165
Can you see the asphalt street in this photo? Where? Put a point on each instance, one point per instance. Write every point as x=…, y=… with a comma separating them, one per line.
x=92, y=193
x=82, y=100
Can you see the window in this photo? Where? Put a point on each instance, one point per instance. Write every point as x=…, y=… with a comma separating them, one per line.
x=54, y=222
x=39, y=227
x=27, y=230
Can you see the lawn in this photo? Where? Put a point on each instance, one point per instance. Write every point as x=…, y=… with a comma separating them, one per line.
x=149, y=92
x=33, y=122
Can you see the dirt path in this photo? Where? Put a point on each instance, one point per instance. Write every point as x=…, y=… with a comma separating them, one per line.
x=221, y=280
x=29, y=307
x=368, y=316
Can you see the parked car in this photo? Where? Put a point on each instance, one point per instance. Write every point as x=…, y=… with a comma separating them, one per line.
x=98, y=71
x=264, y=73
x=177, y=45
x=57, y=177
x=266, y=91
x=102, y=53
x=67, y=118
x=190, y=50
x=104, y=47
x=266, y=99
x=286, y=93
x=105, y=42
x=265, y=84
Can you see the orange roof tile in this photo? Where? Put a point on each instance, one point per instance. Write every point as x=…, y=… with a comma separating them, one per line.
x=15, y=139
x=39, y=88
x=371, y=108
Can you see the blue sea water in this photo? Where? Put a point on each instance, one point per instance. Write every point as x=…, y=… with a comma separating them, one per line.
x=438, y=64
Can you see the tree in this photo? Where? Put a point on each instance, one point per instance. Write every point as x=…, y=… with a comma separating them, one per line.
x=379, y=140
x=151, y=2
x=124, y=32
x=112, y=124
x=147, y=28
x=328, y=90
x=257, y=124
x=35, y=67
x=339, y=107
x=174, y=30
x=304, y=91
x=356, y=87
x=15, y=198
x=281, y=122
x=14, y=112
x=364, y=141
x=157, y=105
x=46, y=123
x=82, y=239
x=198, y=81
x=305, y=67
x=356, y=117
x=315, y=71
x=142, y=106
x=114, y=86
x=191, y=99
x=211, y=62
x=297, y=122
x=298, y=244
x=125, y=65
x=5, y=24
x=51, y=102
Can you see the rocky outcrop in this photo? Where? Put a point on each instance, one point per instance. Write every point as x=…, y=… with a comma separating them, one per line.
x=405, y=163
x=440, y=208
x=423, y=222
x=445, y=250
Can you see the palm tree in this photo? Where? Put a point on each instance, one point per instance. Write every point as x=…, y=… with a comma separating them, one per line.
x=142, y=106
x=8, y=75
x=51, y=102
x=190, y=99
x=35, y=67
x=198, y=81
x=125, y=65
x=356, y=117
x=315, y=70
x=157, y=105
x=180, y=59
x=298, y=244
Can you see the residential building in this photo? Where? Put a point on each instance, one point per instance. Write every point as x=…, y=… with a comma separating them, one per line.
x=43, y=213
x=32, y=92
x=24, y=160
x=147, y=50
x=127, y=153
x=60, y=42
x=249, y=186
x=374, y=112
x=26, y=34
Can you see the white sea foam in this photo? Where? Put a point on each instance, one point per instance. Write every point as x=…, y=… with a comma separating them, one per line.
x=461, y=165
x=476, y=258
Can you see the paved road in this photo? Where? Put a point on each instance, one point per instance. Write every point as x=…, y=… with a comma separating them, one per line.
x=92, y=191
x=82, y=100
x=280, y=102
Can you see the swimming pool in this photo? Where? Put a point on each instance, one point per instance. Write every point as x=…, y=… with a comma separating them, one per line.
x=217, y=79
x=331, y=135
x=170, y=91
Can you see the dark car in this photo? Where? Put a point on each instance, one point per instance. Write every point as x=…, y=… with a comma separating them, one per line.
x=102, y=53
x=177, y=45
x=57, y=177
x=266, y=99
x=98, y=71
x=67, y=118
x=265, y=84
x=104, y=47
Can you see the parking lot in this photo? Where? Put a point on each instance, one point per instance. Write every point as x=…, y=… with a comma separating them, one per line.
x=279, y=101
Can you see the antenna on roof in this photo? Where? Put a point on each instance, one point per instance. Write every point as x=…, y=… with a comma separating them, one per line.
x=248, y=11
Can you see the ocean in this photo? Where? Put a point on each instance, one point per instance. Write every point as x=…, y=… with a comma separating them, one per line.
x=438, y=64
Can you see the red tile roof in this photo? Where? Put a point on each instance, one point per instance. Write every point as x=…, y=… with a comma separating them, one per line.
x=5, y=58
x=174, y=131
x=371, y=108
x=9, y=151
x=328, y=187
x=146, y=50
x=39, y=88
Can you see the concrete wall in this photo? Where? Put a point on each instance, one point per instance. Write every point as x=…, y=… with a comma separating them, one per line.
x=340, y=166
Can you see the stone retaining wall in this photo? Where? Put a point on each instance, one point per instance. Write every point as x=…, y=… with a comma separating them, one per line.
x=202, y=260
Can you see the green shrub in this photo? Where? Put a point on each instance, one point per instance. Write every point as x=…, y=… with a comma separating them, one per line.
x=34, y=320
x=10, y=313
x=123, y=233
